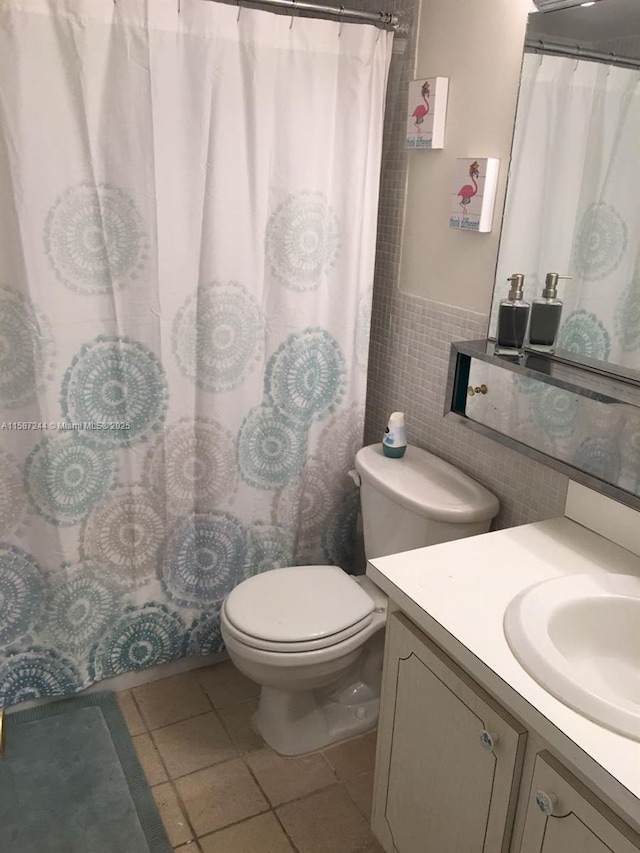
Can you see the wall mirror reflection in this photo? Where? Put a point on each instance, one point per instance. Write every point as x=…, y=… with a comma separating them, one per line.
x=573, y=196
x=591, y=433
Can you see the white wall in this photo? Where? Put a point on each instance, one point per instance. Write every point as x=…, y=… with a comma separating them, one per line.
x=411, y=335
x=478, y=44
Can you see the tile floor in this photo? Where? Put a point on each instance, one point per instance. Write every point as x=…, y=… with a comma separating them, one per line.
x=220, y=789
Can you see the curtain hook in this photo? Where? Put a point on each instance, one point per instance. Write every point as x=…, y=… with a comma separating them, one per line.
x=239, y=10
x=179, y=1
x=579, y=49
x=293, y=9
x=340, y=14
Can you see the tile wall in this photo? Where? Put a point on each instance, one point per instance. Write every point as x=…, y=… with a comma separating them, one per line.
x=410, y=337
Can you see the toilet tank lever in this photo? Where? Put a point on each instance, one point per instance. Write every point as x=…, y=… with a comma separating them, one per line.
x=355, y=477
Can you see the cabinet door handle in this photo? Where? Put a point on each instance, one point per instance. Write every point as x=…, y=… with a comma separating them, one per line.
x=546, y=802
x=488, y=739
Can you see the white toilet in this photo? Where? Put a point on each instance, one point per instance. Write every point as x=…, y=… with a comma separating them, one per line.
x=312, y=636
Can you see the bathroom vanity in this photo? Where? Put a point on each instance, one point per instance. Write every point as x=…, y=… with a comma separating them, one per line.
x=474, y=755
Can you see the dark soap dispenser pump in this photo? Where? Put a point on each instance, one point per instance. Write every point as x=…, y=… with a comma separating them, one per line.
x=546, y=312
x=513, y=315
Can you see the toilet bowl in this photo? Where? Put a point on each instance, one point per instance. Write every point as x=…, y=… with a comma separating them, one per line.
x=313, y=636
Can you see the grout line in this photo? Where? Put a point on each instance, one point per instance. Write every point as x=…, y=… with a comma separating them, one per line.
x=268, y=810
x=227, y=729
x=239, y=823
x=286, y=833
x=139, y=710
x=197, y=769
x=169, y=781
x=209, y=699
x=328, y=763
x=183, y=809
x=182, y=720
x=366, y=816
x=336, y=784
x=257, y=781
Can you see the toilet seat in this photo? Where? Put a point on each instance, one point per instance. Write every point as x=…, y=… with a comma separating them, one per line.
x=293, y=646
x=297, y=609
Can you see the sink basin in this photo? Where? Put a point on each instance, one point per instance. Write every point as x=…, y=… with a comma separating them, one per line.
x=578, y=636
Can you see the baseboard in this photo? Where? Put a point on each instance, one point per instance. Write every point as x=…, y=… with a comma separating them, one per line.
x=133, y=679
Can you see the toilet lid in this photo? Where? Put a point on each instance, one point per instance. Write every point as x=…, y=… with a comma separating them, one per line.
x=298, y=603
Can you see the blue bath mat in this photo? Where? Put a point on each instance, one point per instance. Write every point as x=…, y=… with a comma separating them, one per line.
x=71, y=782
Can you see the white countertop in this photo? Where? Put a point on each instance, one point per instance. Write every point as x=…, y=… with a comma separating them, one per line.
x=458, y=591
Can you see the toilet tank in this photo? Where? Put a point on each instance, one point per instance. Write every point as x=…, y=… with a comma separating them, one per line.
x=418, y=500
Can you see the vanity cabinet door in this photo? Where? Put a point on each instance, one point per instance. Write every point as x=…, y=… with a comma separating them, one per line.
x=564, y=817
x=449, y=758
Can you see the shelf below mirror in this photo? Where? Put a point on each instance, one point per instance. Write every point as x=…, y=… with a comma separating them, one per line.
x=580, y=418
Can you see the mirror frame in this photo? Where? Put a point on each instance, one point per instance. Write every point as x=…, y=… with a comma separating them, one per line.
x=602, y=386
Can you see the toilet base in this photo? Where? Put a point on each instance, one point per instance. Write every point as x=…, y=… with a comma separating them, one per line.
x=293, y=723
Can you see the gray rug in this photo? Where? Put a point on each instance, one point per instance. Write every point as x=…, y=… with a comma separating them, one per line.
x=71, y=782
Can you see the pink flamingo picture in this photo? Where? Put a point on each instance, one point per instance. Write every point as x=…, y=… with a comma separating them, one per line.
x=467, y=192
x=422, y=110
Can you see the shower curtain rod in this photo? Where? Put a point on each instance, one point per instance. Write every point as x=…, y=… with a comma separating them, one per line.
x=540, y=46
x=386, y=18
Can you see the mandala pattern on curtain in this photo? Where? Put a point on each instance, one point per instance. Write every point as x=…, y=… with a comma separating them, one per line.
x=187, y=238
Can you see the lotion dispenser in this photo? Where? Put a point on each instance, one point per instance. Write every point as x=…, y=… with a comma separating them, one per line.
x=545, y=316
x=513, y=315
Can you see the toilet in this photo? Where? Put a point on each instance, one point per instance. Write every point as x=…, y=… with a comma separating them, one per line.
x=313, y=636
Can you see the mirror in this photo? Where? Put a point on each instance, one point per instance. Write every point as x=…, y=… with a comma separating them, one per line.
x=583, y=423
x=573, y=196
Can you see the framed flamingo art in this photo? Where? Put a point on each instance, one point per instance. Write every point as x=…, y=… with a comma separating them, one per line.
x=473, y=193
x=427, y=112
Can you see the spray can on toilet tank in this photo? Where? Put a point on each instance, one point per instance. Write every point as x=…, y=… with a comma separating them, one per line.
x=394, y=442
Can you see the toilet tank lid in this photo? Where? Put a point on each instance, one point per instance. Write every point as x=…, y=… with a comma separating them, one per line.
x=427, y=485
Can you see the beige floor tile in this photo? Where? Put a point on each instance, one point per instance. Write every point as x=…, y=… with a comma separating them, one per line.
x=262, y=834
x=130, y=712
x=325, y=823
x=171, y=814
x=171, y=699
x=361, y=792
x=353, y=757
x=225, y=685
x=220, y=795
x=190, y=847
x=373, y=847
x=237, y=721
x=193, y=744
x=284, y=779
x=150, y=760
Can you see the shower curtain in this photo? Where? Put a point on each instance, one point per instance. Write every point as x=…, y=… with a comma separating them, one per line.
x=572, y=202
x=188, y=196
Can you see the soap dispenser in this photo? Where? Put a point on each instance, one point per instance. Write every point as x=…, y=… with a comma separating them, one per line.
x=545, y=316
x=513, y=315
